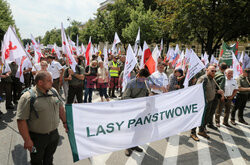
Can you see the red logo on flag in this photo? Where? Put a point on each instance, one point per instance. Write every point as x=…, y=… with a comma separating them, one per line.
x=7, y=52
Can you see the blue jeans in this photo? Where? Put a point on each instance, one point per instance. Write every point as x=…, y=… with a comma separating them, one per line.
x=88, y=92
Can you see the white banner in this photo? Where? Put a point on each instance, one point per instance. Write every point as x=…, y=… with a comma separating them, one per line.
x=98, y=128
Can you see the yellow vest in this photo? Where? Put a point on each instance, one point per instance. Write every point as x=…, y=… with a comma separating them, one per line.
x=114, y=73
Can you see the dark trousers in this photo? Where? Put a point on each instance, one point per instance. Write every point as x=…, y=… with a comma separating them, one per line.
x=56, y=84
x=45, y=145
x=227, y=105
x=113, y=83
x=206, y=116
x=16, y=89
x=75, y=91
x=213, y=109
x=27, y=79
x=89, y=87
x=103, y=89
x=6, y=86
x=193, y=131
x=240, y=104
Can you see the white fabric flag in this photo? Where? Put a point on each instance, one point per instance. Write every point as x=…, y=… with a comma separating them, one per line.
x=38, y=52
x=137, y=41
x=236, y=67
x=213, y=60
x=241, y=57
x=129, y=66
x=106, y=60
x=140, y=52
x=77, y=47
x=194, y=66
x=161, y=47
x=12, y=47
x=206, y=59
x=83, y=49
x=156, y=54
x=145, y=47
x=58, y=54
x=66, y=47
x=99, y=128
x=116, y=41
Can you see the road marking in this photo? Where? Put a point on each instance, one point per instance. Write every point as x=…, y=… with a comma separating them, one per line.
x=171, y=153
x=136, y=158
x=203, y=152
x=232, y=148
x=100, y=159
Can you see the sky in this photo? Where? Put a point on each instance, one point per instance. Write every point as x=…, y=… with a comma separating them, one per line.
x=38, y=16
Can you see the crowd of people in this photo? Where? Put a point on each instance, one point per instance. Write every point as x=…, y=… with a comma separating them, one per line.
x=76, y=85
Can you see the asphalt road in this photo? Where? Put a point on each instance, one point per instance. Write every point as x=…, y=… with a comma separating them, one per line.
x=226, y=146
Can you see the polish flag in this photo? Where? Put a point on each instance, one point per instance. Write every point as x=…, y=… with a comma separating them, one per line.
x=66, y=49
x=145, y=56
x=38, y=52
x=88, y=53
x=20, y=70
x=12, y=48
x=151, y=63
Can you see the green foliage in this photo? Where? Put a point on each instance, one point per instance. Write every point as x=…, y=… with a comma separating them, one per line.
x=6, y=18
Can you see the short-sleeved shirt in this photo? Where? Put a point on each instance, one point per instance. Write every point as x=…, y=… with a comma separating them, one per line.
x=5, y=69
x=55, y=68
x=75, y=81
x=230, y=86
x=47, y=108
x=159, y=79
x=242, y=82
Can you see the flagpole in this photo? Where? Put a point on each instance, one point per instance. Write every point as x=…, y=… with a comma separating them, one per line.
x=23, y=48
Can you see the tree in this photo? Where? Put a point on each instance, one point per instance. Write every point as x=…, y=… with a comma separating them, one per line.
x=208, y=21
x=6, y=18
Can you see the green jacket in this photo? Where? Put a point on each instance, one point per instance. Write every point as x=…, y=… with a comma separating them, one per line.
x=220, y=79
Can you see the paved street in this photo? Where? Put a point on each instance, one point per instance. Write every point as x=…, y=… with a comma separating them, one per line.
x=226, y=146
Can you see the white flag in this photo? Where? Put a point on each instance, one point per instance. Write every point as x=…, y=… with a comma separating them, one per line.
x=156, y=55
x=12, y=48
x=161, y=48
x=66, y=48
x=57, y=51
x=129, y=66
x=106, y=60
x=213, y=60
x=241, y=58
x=38, y=52
x=140, y=52
x=236, y=67
x=194, y=66
x=206, y=59
x=77, y=47
x=83, y=49
x=116, y=41
x=137, y=41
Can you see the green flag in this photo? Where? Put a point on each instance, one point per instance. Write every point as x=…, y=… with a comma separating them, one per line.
x=226, y=53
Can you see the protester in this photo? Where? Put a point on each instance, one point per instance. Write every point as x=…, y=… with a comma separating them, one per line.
x=27, y=67
x=159, y=80
x=37, y=67
x=173, y=79
x=91, y=75
x=102, y=81
x=218, y=101
x=241, y=98
x=57, y=72
x=136, y=88
x=75, y=81
x=230, y=89
x=16, y=86
x=5, y=84
x=210, y=91
x=40, y=132
x=114, y=69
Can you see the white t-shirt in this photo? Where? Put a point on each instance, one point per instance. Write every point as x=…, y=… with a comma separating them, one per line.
x=159, y=79
x=55, y=68
x=230, y=86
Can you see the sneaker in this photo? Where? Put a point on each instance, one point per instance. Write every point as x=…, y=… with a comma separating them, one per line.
x=203, y=134
x=226, y=124
x=218, y=125
x=193, y=136
x=212, y=127
x=128, y=152
x=243, y=122
x=138, y=149
x=233, y=122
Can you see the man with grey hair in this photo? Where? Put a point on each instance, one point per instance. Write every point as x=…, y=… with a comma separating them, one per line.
x=230, y=90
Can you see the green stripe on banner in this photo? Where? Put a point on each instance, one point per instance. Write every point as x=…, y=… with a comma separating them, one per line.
x=71, y=133
x=205, y=100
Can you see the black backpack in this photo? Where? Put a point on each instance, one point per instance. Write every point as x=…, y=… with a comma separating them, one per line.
x=33, y=98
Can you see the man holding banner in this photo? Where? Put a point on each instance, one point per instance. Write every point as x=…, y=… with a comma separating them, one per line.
x=136, y=88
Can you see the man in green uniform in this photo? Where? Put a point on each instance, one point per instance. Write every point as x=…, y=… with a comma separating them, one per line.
x=136, y=88
x=38, y=128
x=241, y=98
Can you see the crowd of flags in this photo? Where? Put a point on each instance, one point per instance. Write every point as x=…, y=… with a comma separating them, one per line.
x=13, y=50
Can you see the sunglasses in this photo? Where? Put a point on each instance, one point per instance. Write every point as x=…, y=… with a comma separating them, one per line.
x=213, y=70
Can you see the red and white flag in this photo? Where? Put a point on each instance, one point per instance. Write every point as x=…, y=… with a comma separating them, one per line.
x=38, y=52
x=146, y=54
x=12, y=48
x=236, y=67
x=88, y=53
x=66, y=49
x=152, y=60
x=56, y=50
x=19, y=73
